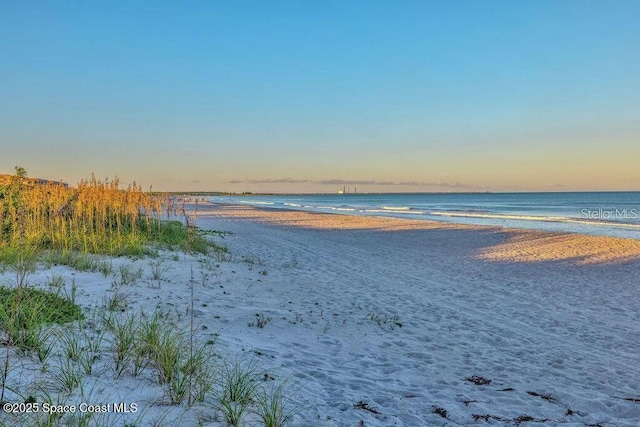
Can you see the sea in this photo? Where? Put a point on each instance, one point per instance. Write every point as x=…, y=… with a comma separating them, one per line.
x=599, y=213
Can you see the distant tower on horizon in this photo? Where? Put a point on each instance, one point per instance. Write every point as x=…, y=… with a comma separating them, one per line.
x=346, y=189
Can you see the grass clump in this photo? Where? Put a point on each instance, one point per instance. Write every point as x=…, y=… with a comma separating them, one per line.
x=238, y=385
x=239, y=382
x=186, y=375
x=124, y=337
x=272, y=406
x=24, y=311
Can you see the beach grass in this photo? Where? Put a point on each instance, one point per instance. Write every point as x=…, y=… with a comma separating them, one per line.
x=238, y=386
x=273, y=408
x=96, y=217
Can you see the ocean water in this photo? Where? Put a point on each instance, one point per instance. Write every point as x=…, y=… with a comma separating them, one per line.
x=599, y=213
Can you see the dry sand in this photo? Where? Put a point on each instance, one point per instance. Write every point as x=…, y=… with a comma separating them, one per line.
x=539, y=314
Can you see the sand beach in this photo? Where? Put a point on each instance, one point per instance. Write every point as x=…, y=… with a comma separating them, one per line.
x=382, y=321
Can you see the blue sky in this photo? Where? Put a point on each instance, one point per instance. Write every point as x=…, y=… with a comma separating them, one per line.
x=302, y=96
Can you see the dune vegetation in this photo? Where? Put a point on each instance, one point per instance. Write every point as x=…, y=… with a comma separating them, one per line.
x=96, y=217
x=67, y=346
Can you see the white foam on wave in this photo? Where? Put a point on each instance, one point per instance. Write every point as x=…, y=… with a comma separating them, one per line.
x=561, y=219
x=256, y=203
x=334, y=208
x=406, y=212
x=396, y=208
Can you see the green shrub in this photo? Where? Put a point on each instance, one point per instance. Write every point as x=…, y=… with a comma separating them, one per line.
x=25, y=310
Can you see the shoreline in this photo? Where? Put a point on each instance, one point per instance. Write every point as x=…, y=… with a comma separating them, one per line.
x=517, y=245
x=614, y=215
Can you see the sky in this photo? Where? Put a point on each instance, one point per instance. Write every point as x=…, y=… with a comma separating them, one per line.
x=308, y=96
